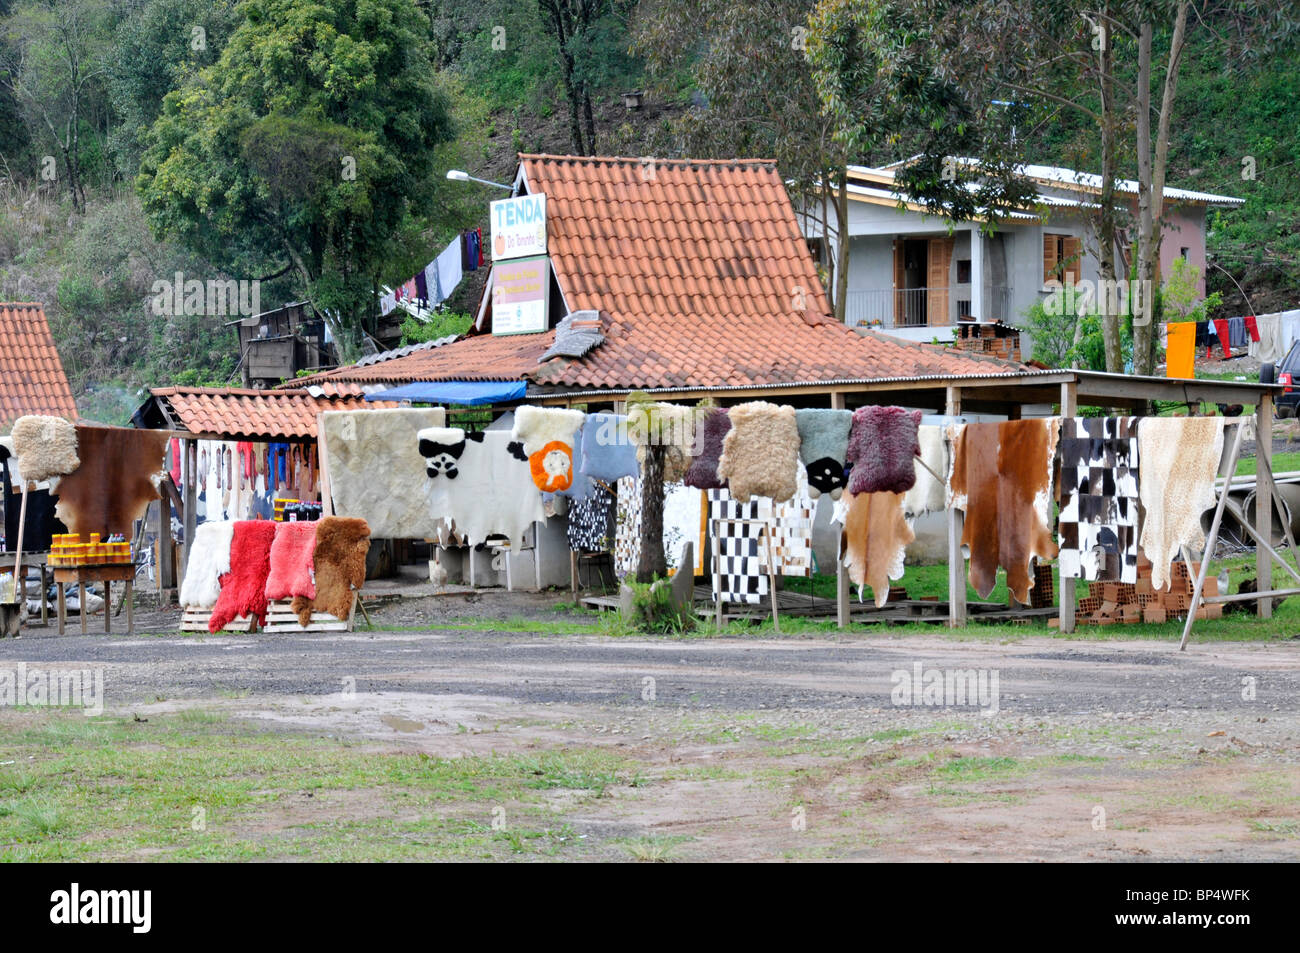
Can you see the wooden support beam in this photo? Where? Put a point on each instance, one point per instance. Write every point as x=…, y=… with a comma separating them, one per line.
x=1066, y=600
x=956, y=521
x=1263, y=498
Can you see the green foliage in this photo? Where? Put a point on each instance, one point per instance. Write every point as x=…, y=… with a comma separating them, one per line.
x=1182, y=294
x=653, y=609
x=442, y=324
x=308, y=143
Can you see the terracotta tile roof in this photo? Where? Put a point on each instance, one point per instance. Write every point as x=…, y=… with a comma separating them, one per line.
x=252, y=414
x=31, y=375
x=704, y=280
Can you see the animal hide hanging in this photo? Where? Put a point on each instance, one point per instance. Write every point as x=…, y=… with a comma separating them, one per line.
x=291, y=572
x=493, y=493
x=45, y=446
x=581, y=486
x=1098, y=522
x=874, y=540
x=243, y=589
x=703, y=471
x=547, y=435
x=1002, y=478
x=209, y=561
x=824, y=445
x=441, y=448
x=375, y=466
x=927, y=494
x=608, y=453
x=1179, y=459
x=760, y=455
x=340, y=562
x=883, y=447
x=119, y=475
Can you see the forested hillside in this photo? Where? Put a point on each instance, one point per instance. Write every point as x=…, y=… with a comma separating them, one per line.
x=141, y=138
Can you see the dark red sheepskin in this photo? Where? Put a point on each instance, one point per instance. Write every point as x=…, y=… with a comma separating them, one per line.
x=883, y=446
x=243, y=589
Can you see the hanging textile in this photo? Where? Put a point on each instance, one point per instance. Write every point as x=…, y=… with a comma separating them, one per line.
x=627, y=536
x=874, y=541
x=608, y=453
x=1224, y=335
x=760, y=454
x=1098, y=522
x=740, y=569
x=1178, y=462
x=493, y=493
x=591, y=519
x=1180, y=350
x=449, y=270
x=927, y=495
x=823, y=447
x=882, y=450
x=1252, y=330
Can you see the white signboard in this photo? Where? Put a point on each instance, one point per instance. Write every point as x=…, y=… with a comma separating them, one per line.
x=519, y=227
x=520, y=296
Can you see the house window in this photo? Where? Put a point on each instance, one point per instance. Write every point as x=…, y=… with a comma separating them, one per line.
x=1062, y=258
x=1184, y=252
x=963, y=271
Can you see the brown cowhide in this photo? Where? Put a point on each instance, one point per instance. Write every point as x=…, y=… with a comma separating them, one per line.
x=874, y=539
x=1002, y=479
x=117, y=479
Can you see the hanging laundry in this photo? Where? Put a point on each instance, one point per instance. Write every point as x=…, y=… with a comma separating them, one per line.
x=1098, y=522
x=1237, y=332
x=1273, y=345
x=1204, y=331
x=387, y=303
x=465, y=249
x=1002, y=478
x=449, y=270
x=421, y=290
x=1178, y=462
x=1224, y=334
x=760, y=454
x=436, y=296
x=1180, y=350
x=823, y=446
x=882, y=450
x=474, y=250
x=1252, y=329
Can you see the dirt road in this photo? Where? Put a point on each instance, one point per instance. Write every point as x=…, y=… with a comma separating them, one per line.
x=788, y=748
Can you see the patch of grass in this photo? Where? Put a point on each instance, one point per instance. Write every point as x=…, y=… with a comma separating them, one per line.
x=652, y=849
x=1282, y=463
x=1267, y=826
x=201, y=716
x=41, y=816
x=979, y=769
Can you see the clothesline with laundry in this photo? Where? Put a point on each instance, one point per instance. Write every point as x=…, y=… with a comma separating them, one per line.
x=1266, y=337
x=436, y=282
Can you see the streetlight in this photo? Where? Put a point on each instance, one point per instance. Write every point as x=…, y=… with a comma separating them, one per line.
x=457, y=175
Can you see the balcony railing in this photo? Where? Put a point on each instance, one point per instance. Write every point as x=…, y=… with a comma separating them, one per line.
x=911, y=307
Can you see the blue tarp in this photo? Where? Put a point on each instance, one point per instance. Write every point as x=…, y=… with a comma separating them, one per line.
x=466, y=393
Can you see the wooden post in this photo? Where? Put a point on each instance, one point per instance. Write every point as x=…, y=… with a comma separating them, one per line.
x=1263, y=499
x=322, y=458
x=191, y=450
x=166, y=553
x=1066, y=600
x=843, y=613
x=956, y=521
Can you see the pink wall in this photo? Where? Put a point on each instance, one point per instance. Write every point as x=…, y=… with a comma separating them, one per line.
x=1184, y=228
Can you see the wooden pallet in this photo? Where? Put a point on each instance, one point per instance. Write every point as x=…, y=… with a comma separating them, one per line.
x=196, y=620
x=280, y=617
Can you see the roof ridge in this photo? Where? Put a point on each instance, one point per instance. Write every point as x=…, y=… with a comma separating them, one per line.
x=638, y=160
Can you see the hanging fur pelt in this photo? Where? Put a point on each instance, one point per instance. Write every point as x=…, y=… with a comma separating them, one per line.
x=674, y=427
x=874, y=540
x=493, y=492
x=118, y=478
x=823, y=445
x=340, y=562
x=1178, y=459
x=243, y=589
x=291, y=561
x=928, y=493
x=760, y=456
x=608, y=453
x=882, y=450
x=46, y=447
x=547, y=436
x=209, y=561
x=703, y=471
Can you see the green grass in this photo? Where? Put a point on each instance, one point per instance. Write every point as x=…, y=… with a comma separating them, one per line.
x=114, y=788
x=1282, y=463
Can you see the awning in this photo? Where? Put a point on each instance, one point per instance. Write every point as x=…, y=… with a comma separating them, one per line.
x=467, y=393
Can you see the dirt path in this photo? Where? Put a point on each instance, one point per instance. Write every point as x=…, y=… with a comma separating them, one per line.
x=793, y=748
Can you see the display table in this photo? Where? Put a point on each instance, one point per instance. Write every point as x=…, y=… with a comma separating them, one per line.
x=41, y=561
x=108, y=574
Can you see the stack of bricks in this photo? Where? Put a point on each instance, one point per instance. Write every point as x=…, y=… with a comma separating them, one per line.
x=1114, y=603
x=993, y=339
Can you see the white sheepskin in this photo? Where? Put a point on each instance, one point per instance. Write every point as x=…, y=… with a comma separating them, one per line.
x=46, y=447
x=493, y=493
x=535, y=427
x=209, y=561
x=376, y=471
x=927, y=496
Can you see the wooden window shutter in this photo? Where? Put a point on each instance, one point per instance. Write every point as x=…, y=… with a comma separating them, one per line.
x=1072, y=258
x=941, y=250
x=1050, y=259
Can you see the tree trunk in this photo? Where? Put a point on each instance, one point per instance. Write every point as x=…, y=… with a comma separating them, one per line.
x=1106, y=225
x=652, y=562
x=842, y=247
x=590, y=121
x=1148, y=239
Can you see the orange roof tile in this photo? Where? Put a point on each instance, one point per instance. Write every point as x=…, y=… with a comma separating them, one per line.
x=252, y=414
x=31, y=375
x=705, y=279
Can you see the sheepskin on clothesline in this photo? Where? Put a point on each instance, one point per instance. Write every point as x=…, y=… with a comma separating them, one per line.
x=45, y=446
x=536, y=427
x=674, y=427
x=882, y=449
x=702, y=474
x=760, y=456
x=824, y=445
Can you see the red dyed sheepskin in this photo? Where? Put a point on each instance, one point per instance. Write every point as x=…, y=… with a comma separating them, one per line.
x=291, y=562
x=243, y=589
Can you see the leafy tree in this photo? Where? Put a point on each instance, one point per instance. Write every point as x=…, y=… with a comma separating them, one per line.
x=306, y=146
